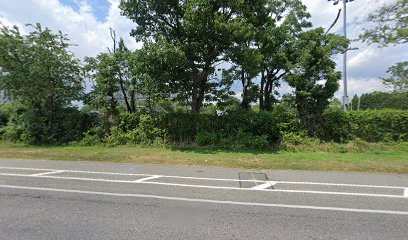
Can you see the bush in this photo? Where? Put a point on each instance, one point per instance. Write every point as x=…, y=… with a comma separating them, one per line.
x=30, y=126
x=334, y=125
x=379, y=125
x=116, y=137
x=244, y=140
x=147, y=133
x=246, y=129
x=93, y=137
x=206, y=138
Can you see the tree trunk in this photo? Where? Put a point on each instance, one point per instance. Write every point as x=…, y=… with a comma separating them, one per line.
x=245, y=104
x=261, y=95
x=122, y=88
x=133, y=100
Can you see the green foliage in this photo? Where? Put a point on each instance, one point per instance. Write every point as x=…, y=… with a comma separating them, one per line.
x=399, y=77
x=147, y=133
x=334, y=125
x=200, y=30
x=379, y=125
x=298, y=142
x=381, y=100
x=90, y=139
x=4, y=116
x=206, y=138
x=314, y=76
x=115, y=137
x=368, y=125
x=43, y=77
x=390, y=24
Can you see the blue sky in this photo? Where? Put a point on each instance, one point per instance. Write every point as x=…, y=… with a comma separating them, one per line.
x=87, y=23
x=99, y=8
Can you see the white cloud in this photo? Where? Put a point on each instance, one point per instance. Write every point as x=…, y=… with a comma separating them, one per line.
x=367, y=64
x=82, y=27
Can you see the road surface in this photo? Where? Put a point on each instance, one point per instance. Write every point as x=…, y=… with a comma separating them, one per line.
x=86, y=200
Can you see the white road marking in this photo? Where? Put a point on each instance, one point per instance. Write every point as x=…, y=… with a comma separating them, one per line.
x=134, y=174
x=356, y=210
x=206, y=186
x=47, y=173
x=341, y=185
x=406, y=192
x=152, y=176
x=212, y=179
x=146, y=179
x=264, y=186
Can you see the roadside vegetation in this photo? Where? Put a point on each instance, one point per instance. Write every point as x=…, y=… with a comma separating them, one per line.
x=354, y=156
x=171, y=102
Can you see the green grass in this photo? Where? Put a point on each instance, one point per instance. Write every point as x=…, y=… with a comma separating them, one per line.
x=390, y=158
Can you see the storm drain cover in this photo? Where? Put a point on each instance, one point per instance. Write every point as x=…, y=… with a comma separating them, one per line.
x=253, y=176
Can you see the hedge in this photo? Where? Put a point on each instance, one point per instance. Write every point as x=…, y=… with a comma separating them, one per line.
x=334, y=125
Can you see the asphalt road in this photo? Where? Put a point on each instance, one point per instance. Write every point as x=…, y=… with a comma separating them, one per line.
x=83, y=200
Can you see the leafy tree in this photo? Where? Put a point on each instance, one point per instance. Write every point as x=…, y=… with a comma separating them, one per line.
x=160, y=68
x=264, y=47
x=390, y=27
x=44, y=77
x=115, y=83
x=390, y=24
x=201, y=30
x=399, y=77
x=313, y=76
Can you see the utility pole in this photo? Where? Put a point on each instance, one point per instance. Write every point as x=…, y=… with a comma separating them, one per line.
x=345, y=94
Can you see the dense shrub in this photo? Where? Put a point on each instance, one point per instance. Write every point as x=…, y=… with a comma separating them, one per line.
x=368, y=125
x=30, y=126
x=379, y=125
x=246, y=129
x=334, y=125
x=3, y=117
x=206, y=138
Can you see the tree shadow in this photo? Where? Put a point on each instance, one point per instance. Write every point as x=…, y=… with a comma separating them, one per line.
x=215, y=150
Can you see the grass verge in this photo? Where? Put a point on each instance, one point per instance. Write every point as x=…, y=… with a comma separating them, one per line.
x=389, y=158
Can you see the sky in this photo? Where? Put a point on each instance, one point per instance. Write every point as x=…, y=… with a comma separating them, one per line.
x=87, y=22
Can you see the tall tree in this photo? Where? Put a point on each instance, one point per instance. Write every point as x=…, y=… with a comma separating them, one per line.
x=264, y=46
x=313, y=76
x=200, y=29
x=41, y=74
x=115, y=83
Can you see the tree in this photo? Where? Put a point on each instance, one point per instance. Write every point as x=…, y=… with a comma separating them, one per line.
x=201, y=30
x=264, y=47
x=43, y=76
x=115, y=83
x=161, y=70
x=390, y=25
x=313, y=76
x=399, y=77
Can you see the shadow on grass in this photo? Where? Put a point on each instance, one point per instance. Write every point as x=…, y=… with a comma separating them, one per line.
x=215, y=150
